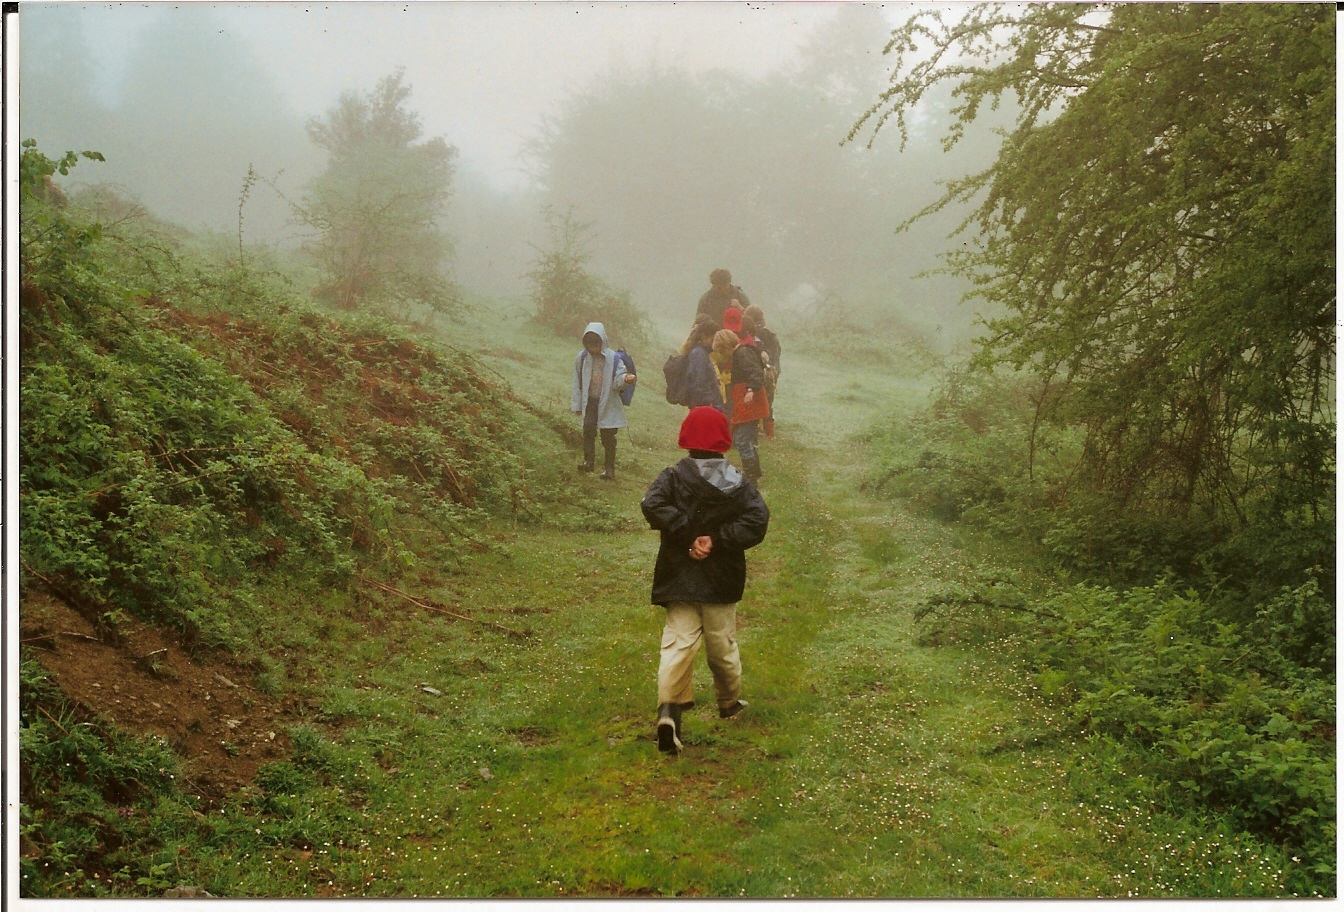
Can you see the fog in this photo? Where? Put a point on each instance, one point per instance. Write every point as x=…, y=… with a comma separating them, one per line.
x=687, y=136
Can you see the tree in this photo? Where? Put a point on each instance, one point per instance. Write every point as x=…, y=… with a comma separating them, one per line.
x=377, y=206
x=568, y=296
x=1158, y=228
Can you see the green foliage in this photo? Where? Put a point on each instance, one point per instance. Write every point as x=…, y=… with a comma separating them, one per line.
x=1157, y=229
x=378, y=206
x=173, y=455
x=1206, y=699
x=567, y=296
x=972, y=454
x=880, y=334
x=88, y=793
x=1218, y=712
x=35, y=168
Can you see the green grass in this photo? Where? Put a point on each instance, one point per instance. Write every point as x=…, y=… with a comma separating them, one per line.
x=868, y=765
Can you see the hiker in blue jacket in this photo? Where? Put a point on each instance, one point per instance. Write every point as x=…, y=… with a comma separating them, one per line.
x=596, y=395
x=702, y=377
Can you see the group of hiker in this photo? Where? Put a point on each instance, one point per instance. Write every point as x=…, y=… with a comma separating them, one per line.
x=707, y=511
x=732, y=364
x=730, y=361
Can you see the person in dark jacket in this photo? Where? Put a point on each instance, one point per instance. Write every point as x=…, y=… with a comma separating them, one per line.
x=708, y=514
x=753, y=318
x=721, y=295
x=748, y=400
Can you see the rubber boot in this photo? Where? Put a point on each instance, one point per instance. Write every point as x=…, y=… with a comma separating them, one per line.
x=609, y=464
x=752, y=468
x=669, y=728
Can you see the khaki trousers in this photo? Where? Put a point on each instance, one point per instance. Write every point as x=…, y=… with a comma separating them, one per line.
x=687, y=624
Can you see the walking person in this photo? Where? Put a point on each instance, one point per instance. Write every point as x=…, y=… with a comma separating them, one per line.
x=750, y=403
x=721, y=356
x=708, y=514
x=595, y=394
x=722, y=294
x=702, y=375
x=753, y=318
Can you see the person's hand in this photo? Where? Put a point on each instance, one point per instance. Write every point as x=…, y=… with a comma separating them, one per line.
x=746, y=400
x=629, y=378
x=701, y=547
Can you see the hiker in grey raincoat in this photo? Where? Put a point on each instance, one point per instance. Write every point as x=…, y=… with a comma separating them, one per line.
x=596, y=395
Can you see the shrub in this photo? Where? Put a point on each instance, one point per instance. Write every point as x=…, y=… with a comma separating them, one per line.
x=1207, y=701
x=567, y=296
x=970, y=455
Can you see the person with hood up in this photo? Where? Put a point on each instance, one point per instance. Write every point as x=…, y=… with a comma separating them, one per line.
x=595, y=395
x=708, y=514
x=702, y=374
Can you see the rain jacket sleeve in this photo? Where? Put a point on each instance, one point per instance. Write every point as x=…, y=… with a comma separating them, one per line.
x=748, y=529
x=747, y=367
x=662, y=511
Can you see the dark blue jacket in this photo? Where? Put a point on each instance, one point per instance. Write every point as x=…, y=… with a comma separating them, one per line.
x=703, y=379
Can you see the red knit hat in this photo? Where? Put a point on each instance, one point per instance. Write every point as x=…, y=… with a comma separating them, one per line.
x=705, y=428
x=732, y=319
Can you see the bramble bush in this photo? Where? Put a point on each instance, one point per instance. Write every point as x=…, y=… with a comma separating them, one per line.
x=97, y=790
x=1213, y=708
x=193, y=430
x=1220, y=711
x=969, y=455
x=1216, y=679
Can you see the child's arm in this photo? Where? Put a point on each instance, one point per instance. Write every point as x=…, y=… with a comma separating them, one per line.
x=661, y=510
x=576, y=389
x=748, y=529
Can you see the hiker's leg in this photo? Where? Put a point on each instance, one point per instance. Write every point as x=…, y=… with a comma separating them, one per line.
x=744, y=438
x=609, y=452
x=676, y=657
x=725, y=662
x=590, y=435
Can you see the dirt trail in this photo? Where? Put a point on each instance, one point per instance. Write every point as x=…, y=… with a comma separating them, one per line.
x=144, y=682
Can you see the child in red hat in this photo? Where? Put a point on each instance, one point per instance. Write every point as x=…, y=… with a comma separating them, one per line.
x=709, y=514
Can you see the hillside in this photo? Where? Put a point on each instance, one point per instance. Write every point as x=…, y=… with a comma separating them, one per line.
x=315, y=605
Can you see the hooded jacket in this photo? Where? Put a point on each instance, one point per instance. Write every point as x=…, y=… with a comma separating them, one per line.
x=610, y=409
x=703, y=497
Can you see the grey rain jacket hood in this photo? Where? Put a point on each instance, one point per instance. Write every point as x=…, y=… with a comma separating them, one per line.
x=610, y=409
x=720, y=473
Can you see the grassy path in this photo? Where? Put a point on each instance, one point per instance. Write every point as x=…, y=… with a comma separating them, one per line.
x=867, y=765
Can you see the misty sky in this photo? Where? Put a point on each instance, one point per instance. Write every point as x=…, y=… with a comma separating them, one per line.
x=483, y=73
x=186, y=100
